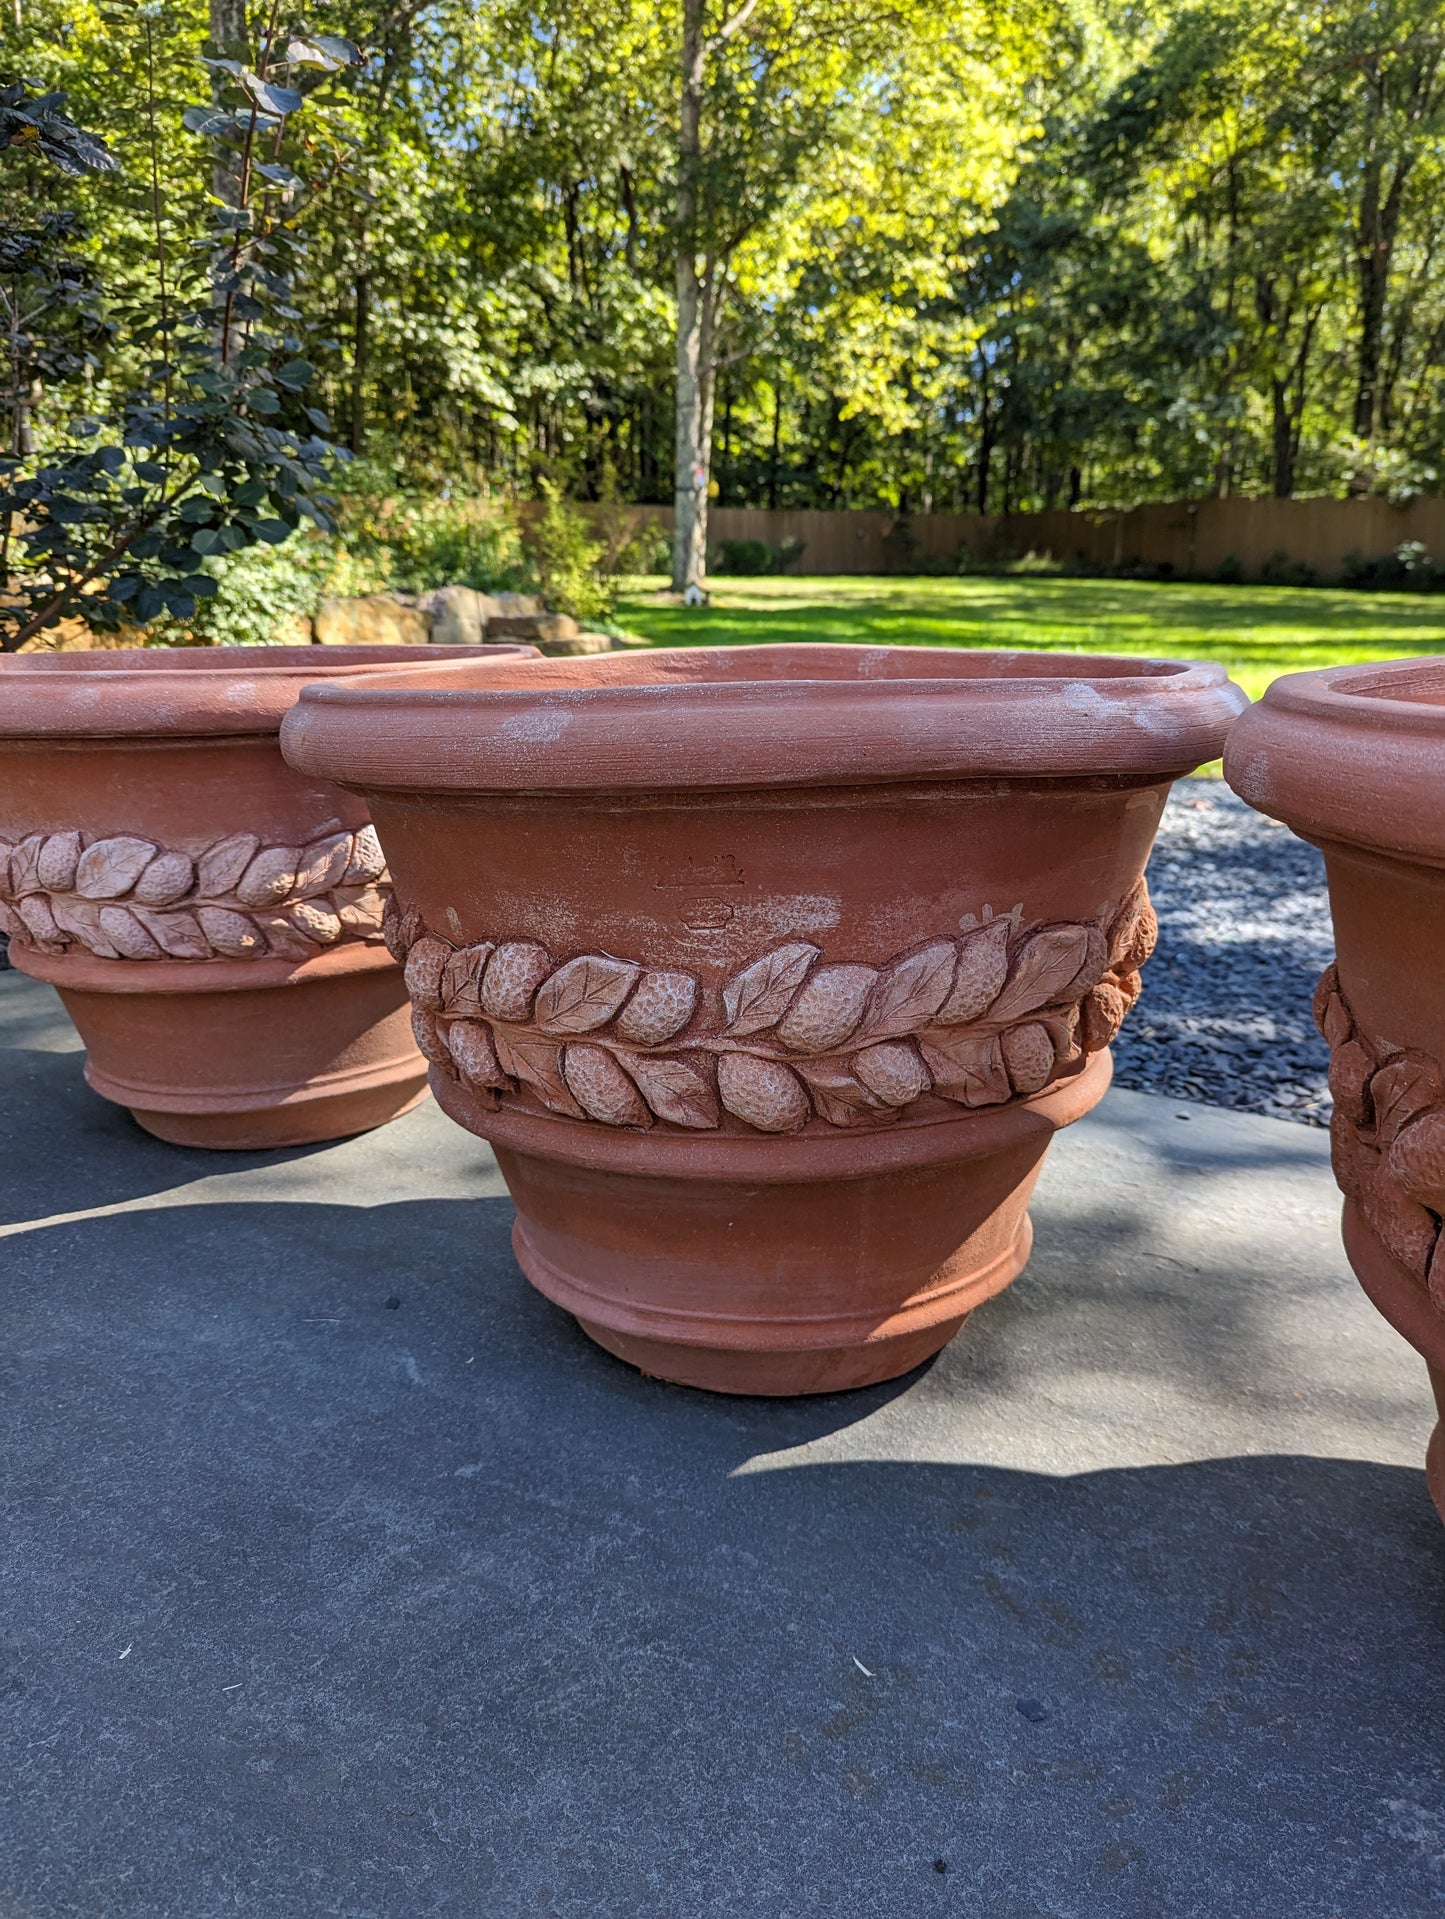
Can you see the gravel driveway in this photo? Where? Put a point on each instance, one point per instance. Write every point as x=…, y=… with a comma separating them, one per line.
x=1244, y=934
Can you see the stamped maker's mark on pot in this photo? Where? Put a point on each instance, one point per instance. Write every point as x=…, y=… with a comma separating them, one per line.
x=786, y=1039
x=705, y=885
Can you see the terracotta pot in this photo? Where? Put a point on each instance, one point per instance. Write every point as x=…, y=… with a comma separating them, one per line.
x=1353, y=759
x=769, y=972
x=169, y=874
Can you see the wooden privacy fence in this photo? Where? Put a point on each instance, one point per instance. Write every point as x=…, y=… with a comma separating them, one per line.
x=1185, y=537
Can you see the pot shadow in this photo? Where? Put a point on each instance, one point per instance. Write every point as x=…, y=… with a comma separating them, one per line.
x=346, y=1576
x=64, y=1148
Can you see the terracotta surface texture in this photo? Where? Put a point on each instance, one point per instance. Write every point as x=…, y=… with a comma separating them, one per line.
x=769, y=972
x=211, y=920
x=1353, y=759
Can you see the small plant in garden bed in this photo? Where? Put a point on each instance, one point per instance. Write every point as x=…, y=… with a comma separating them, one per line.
x=215, y=448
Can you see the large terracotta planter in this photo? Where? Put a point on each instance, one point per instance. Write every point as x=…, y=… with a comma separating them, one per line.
x=1353, y=759
x=769, y=972
x=210, y=918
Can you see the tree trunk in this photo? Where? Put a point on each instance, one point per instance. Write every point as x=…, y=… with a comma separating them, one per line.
x=773, y=448
x=1375, y=233
x=694, y=342
x=359, y=354
x=229, y=37
x=1283, y=439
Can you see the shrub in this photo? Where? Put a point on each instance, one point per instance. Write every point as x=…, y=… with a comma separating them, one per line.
x=567, y=560
x=1230, y=571
x=754, y=557
x=744, y=557
x=1280, y=570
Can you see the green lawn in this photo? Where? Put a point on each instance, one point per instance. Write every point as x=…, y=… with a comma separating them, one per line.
x=1257, y=632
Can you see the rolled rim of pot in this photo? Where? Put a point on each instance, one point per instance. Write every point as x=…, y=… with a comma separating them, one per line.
x=185, y=691
x=1350, y=753
x=712, y=718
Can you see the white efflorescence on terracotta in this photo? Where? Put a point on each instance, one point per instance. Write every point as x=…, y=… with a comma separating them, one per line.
x=993, y=1016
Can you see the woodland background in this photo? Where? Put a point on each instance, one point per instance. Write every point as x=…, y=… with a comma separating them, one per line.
x=955, y=254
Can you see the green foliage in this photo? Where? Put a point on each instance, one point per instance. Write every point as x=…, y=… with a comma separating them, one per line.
x=969, y=255
x=567, y=560
x=414, y=538
x=264, y=593
x=212, y=446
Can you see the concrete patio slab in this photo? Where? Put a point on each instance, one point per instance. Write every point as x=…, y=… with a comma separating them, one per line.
x=343, y=1576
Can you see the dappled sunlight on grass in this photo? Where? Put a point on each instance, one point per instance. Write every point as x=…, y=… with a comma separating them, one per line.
x=1257, y=632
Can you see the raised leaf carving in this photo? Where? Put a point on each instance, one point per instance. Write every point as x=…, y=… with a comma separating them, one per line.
x=966, y=1067
x=1351, y=1067
x=981, y=972
x=221, y=865
x=461, y=979
x=827, y=1009
x=111, y=867
x=1387, y=1137
x=25, y=866
x=1043, y=968
x=840, y=1096
x=323, y=864
x=762, y=1092
x=758, y=997
x=601, y=1088
x=584, y=994
x=796, y=1037
x=538, y=1063
x=911, y=992
x=676, y=1090
x=178, y=935
x=1401, y=1090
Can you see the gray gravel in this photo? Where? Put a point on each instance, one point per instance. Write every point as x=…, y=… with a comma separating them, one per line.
x=1244, y=934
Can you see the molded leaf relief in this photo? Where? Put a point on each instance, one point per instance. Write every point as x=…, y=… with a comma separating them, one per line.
x=1387, y=1136
x=122, y=897
x=994, y=1014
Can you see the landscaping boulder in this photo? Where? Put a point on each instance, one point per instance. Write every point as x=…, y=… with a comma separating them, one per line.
x=375, y=619
x=576, y=643
x=538, y=628
x=457, y=614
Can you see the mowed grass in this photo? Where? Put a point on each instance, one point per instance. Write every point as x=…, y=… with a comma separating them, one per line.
x=1257, y=632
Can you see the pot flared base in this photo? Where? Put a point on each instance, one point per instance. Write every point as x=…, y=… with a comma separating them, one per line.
x=1403, y=1300
x=244, y=1056
x=779, y=1371
x=775, y=1267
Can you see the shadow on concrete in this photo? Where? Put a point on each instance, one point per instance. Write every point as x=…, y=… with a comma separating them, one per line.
x=62, y=1147
x=317, y=1604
